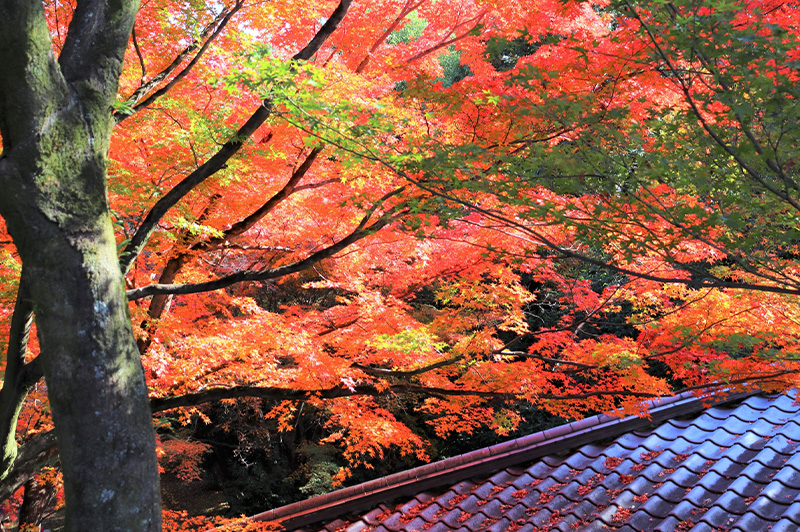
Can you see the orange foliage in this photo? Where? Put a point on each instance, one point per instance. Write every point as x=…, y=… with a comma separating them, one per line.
x=436, y=296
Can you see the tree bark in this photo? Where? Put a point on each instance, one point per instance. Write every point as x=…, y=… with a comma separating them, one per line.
x=34, y=503
x=55, y=120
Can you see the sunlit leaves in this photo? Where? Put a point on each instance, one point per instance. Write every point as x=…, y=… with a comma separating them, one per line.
x=564, y=216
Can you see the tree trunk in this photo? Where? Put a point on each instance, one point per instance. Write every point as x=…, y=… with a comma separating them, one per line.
x=95, y=380
x=96, y=386
x=34, y=503
x=55, y=121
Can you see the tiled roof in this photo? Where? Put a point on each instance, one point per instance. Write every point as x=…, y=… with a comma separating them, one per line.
x=731, y=467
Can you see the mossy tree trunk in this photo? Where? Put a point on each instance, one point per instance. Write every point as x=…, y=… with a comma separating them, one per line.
x=55, y=121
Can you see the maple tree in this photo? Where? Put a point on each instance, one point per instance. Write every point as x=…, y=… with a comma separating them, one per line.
x=578, y=205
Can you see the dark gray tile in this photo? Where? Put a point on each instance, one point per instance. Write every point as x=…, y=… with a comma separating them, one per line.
x=718, y=517
x=584, y=510
x=627, y=528
x=791, y=431
x=775, y=415
x=668, y=524
x=748, y=414
x=503, y=478
x=671, y=492
x=562, y=473
x=657, y=507
x=788, y=476
x=499, y=526
x=732, y=424
x=591, y=450
x=494, y=508
x=780, y=494
x=439, y=526
x=793, y=513
x=464, y=487
x=745, y=487
x=629, y=441
x=770, y=509
x=414, y=524
x=701, y=497
x=752, y=441
x=784, y=525
x=765, y=428
x=732, y=503
x=579, y=461
x=431, y=512
x=727, y=468
x=684, y=477
x=487, y=490
x=476, y=522
x=654, y=442
x=769, y=457
x=763, y=403
x=686, y=510
x=703, y=527
x=697, y=463
x=750, y=522
x=553, y=461
x=540, y=469
x=781, y=444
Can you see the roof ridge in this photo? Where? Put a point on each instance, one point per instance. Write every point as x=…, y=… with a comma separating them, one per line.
x=568, y=436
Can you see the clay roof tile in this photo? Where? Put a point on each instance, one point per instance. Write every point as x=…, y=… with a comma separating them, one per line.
x=690, y=468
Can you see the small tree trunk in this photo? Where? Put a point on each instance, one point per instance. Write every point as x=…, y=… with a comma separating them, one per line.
x=34, y=503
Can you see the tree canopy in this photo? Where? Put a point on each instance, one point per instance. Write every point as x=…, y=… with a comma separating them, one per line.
x=574, y=205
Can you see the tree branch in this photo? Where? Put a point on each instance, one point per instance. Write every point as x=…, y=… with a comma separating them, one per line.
x=245, y=224
x=19, y=377
x=42, y=448
x=358, y=233
x=747, y=169
x=228, y=150
x=32, y=456
x=159, y=404
x=324, y=32
x=32, y=87
x=91, y=59
x=383, y=372
x=286, y=394
x=571, y=254
x=217, y=25
x=176, y=263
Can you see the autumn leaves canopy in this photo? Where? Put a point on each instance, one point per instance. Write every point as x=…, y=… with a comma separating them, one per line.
x=576, y=204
